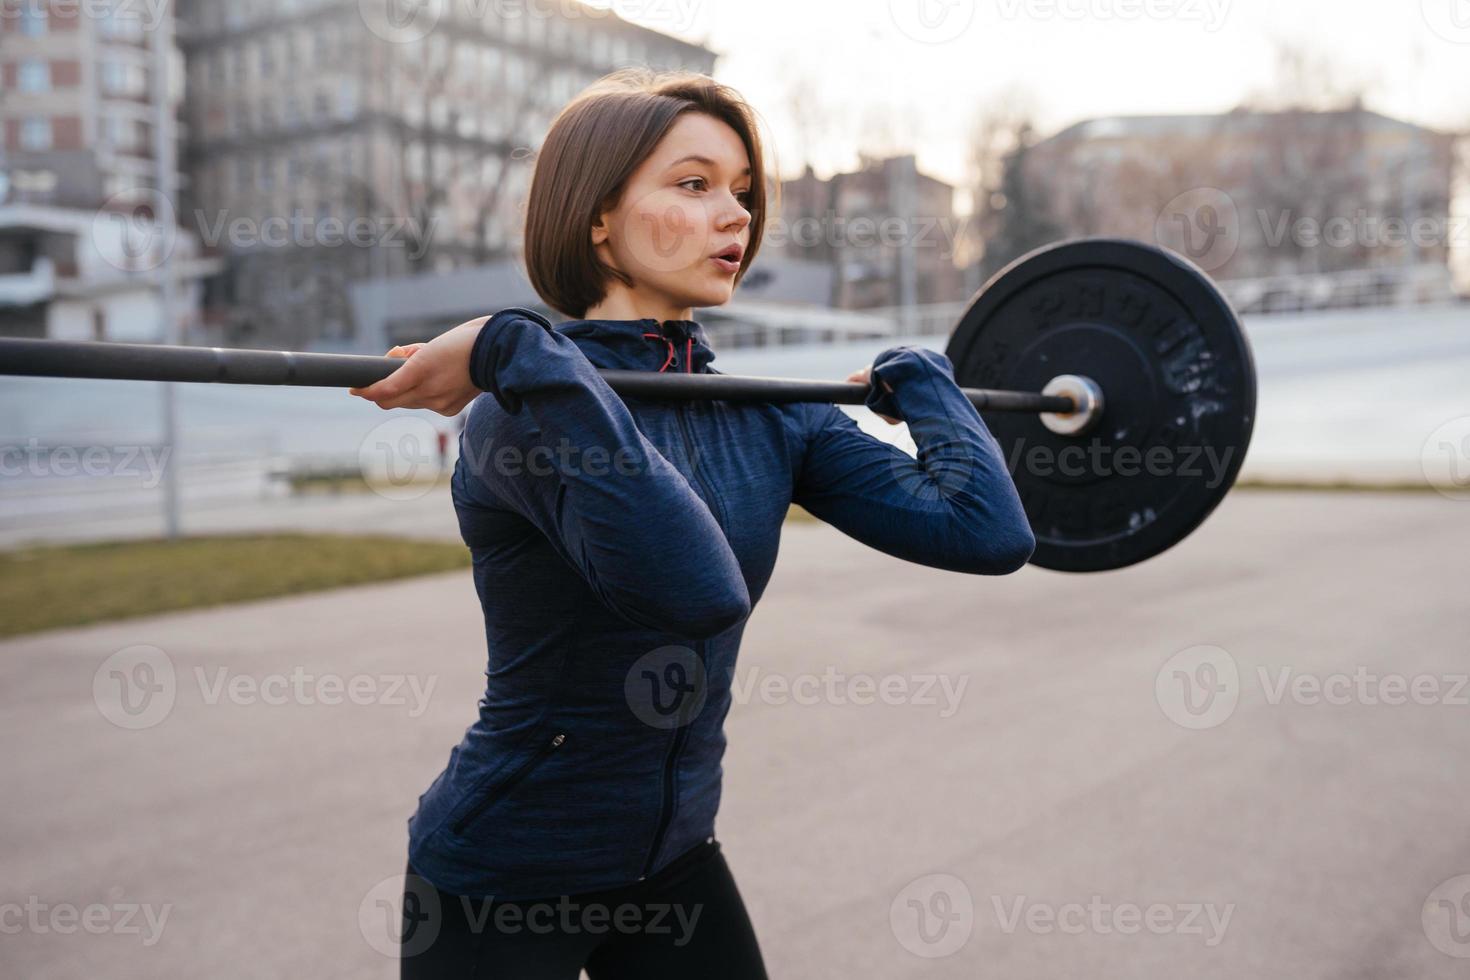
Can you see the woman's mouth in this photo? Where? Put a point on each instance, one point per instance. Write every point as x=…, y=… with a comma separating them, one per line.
x=729, y=259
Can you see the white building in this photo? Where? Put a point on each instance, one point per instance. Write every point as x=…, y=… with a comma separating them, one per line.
x=71, y=274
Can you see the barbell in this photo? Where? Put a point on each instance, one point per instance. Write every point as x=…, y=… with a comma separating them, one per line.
x=1126, y=344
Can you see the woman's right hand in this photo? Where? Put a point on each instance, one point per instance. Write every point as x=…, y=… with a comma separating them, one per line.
x=862, y=377
x=436, y=377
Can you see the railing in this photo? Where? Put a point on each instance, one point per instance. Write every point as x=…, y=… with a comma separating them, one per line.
x=1414, y=285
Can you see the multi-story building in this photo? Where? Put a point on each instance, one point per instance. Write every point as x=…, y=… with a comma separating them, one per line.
x=84, y=235
x=1347, y=195
x=886, y=230
x=77, y=106
x=328, y=145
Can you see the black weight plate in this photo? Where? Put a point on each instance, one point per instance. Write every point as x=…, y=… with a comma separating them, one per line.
x=1179, y=394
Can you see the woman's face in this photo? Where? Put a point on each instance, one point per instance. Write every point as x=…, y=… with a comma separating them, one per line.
x=684, y=206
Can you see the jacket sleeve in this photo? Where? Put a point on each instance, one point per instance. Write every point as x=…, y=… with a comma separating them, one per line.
x=954, y=507
x=559, y=447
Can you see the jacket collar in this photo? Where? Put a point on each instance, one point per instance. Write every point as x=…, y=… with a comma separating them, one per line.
x=642, y=345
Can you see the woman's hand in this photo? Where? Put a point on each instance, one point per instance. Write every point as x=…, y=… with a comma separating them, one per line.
x=862, y=378
x=436, y=377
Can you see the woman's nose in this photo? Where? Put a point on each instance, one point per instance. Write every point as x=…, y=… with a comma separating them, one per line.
x=733, y=214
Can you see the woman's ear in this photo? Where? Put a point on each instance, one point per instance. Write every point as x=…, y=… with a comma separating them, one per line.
x=599, y=231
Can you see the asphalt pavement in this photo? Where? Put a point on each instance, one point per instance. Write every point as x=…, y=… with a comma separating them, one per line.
x=1245, y=758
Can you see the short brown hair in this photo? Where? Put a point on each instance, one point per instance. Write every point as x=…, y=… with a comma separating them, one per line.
x=592, y=148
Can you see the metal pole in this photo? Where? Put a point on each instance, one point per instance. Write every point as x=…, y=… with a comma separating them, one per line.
x=163, y=170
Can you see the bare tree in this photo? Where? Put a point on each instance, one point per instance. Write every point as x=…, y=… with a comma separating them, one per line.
x=420, y=190
x=1010, y=214
x=1312, y=163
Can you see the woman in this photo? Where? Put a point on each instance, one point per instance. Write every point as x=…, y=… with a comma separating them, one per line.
x=620, y=543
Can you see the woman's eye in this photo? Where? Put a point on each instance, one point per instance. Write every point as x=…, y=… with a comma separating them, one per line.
x=742, y=196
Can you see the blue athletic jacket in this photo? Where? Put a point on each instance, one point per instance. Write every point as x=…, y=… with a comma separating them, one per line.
x=619, y=545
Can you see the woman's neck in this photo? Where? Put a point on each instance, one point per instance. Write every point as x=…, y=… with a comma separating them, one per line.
x=624, y=305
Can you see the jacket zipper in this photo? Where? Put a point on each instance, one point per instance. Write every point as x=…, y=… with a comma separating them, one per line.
x=499, y=792
x=666, y=801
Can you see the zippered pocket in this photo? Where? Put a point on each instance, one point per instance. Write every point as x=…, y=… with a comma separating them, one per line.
x=502, y=789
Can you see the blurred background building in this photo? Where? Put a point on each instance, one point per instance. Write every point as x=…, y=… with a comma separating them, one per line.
x=311, y=115
x=1296, y=209
x=83, y=233
x=351, y=176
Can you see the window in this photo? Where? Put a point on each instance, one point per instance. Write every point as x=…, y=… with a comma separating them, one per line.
x=347, y=99
x=465, y=63
x=35, y=134
x=118, y=21
x=35, y=76
x=32, y=19
x=122, y=78
x=490, y=68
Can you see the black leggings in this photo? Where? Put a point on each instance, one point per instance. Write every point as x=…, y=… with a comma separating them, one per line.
x=685, y=921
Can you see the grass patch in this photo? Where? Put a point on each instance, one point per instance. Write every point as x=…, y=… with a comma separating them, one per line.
x=1335, y=486
x=352, y=481
x=51, y=587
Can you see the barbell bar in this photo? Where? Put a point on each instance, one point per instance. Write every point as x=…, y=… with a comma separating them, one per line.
x=223, y=365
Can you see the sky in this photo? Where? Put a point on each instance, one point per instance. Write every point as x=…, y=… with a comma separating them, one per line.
x=914, y=74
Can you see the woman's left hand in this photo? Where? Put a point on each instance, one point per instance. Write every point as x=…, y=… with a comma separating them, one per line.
x=436, y=377
x=861, y=377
